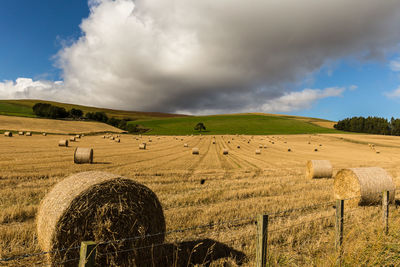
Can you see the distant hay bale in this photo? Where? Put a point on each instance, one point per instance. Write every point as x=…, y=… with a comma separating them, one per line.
x=319, y=169
x=77, y=136
x=44, y=134
x=142, y=146
x=99, y=206
x=112, y=138
x=229, y=142
x=8, y=134
x=117, y=140
x=289, y=150
x=72, y=139
x=225, y=152
x=272, y=143
x=265, y=146
x=316, y=149
x=185, y=145
x=195, y=151
x=377, y=152
x=238, y=146
x=28, y=134
x=63, y=142
x=364, y=186
x=103, y=136
x=213, y=142
x=21, y=133
x=320, y=144
x=83, y=155
x=150, y=140
x=258, y=151
x=260, y=146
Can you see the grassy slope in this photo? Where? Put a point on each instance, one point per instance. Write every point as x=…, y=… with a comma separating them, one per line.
x=23, y=108
x=233, y=124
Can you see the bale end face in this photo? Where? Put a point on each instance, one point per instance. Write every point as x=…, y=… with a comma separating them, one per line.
x=83, y=155
x=363, y=186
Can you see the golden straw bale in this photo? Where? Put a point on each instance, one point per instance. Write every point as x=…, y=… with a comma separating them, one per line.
x=8, y=134
x=83, y=155
x=225, y=152
x=195, y=151
x=142, y=146
x=258, y=151
x=63, y=142
x=99, y=206
x=319, y=169
x=363, y=186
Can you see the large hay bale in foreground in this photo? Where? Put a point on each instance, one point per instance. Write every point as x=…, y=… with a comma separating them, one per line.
x=83, y=155
x=319, y=169
x=195, y=151
x=8, y=134
x=63, y=143
x=101, y=207
x=363, y=186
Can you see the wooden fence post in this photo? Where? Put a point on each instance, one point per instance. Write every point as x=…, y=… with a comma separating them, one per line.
x=339, y=228
x=87, y=254
x=385, y=209
x=262, y=240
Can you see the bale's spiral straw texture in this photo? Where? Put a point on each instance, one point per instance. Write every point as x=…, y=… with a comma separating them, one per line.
x=63, y=143
x=21, y=133
x=72, y=139
x=142, y=146
x=83, y=155
x=28, y=134
x=225, y=152
x=8, y=134
x=258, y=151
x=363, y=185
x=319, y=169
x=195, y=151
x=100, y=206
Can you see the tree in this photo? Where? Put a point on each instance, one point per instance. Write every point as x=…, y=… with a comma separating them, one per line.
x=76, y=113
x=200, y=126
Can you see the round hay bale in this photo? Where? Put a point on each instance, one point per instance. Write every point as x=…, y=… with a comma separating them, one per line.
x=363, y=186
x=319, y=169
x=272, y=143
x=83, y=155
x=289, y=150
x=100, y=206
x=265, y=146
x=185, y=145
x=104, y=136
x=8, y=134
x=229, y=142
x=316, y=149
x=213, y=142
x=21, y=133
x=44, y=134
x=258, y=151
x=238, y=146
x=142, y=146
x=77, y=136
x=112, y=137
x=28, y=134
x=225, y=152
x=260, y=146
x=63, y=142
x=195, y=151
x=117, y=140
x=72, y=139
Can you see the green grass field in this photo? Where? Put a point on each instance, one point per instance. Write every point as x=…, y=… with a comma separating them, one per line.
x=23, y=108
x=232, y=124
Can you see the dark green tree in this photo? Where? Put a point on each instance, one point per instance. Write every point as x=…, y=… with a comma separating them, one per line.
x=200, y=126
x=76, y=113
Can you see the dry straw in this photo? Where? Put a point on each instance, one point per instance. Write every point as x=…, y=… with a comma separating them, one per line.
x=63, y=142
x=99, y=206
x=8, y=134
x=364, y=186
x=83, y=155
x=195, y=151
x=319, y=169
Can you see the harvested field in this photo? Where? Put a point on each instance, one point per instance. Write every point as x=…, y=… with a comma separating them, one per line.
x=53, y=126
x=211, y=188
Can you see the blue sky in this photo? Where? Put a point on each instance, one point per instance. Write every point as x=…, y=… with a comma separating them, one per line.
x=34, y=32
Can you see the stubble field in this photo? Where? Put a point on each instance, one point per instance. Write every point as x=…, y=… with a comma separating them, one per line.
x=236, y=188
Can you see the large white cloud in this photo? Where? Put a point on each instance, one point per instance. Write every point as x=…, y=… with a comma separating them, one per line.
x=219, y=55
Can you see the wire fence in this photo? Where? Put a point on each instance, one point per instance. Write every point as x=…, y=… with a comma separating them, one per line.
x=207, y=229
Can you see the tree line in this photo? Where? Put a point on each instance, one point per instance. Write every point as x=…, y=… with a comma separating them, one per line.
x=54, y=112
x=372, y=125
